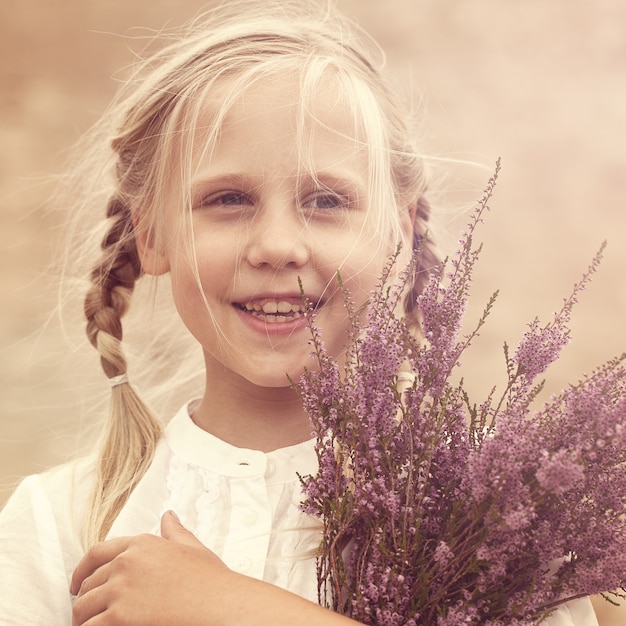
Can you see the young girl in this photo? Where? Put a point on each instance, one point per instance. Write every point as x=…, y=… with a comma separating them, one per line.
x=251, y=160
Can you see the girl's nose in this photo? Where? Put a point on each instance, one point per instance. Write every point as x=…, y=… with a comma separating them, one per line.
x=277, y=239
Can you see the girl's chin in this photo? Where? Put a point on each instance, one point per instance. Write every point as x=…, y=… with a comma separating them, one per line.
x=270, y=377
x=276, y=380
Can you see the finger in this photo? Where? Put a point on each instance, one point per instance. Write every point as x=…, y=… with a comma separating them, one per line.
x=89, y=606
x=173, y=530
x=98, y=578
x=96, y=557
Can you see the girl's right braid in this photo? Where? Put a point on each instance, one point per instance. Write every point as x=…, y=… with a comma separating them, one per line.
x=132, y=431
x=113, y=280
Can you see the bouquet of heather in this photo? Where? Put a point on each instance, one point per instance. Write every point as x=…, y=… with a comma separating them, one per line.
x=440, y=511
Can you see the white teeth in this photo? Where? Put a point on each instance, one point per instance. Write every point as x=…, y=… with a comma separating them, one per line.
x=286, y=307
x=269, y=310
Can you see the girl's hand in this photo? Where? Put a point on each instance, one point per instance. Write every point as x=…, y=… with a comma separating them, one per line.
x=176, y=581
x=148, y=580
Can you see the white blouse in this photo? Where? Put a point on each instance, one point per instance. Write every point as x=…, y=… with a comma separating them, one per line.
x=242, y=504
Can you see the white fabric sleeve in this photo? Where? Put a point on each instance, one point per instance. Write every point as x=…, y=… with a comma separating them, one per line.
x=35, y=559
x=573, y=613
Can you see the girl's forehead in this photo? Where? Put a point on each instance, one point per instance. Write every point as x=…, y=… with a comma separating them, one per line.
x=278, y=109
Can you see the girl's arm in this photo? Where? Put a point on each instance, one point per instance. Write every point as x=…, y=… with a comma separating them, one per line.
x=148, y=580
x=152, y=581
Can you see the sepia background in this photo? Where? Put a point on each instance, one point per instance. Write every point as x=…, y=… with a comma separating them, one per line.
x=539, y=83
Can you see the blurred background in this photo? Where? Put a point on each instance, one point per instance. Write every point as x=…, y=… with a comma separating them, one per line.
x=539, y=83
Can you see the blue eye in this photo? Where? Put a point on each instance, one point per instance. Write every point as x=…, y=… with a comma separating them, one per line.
x=232, y=198
x=326, y=201
x=227, y=199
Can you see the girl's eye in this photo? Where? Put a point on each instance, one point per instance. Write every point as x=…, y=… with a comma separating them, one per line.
x=227, y=199
x=327, y=200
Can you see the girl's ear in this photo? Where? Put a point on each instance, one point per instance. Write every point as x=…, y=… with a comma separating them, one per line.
x=154, y=260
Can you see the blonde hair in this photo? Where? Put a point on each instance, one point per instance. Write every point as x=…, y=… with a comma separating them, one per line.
x=154, y=122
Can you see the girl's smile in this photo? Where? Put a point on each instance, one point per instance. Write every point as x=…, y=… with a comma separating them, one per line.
x=279, y=310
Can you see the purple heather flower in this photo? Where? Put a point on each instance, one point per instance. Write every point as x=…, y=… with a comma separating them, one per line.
x=539, y=348
x=440, y=512
x=559, y=473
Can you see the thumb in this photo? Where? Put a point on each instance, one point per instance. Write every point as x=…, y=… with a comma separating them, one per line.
x=173, y=530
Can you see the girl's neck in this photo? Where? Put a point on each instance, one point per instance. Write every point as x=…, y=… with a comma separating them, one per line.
x=248, y=416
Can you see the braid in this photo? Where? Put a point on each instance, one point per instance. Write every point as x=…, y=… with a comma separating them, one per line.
x=113, y=280
x=427, y=259
x=132, y=432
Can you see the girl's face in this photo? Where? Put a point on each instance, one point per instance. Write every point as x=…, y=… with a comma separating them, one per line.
x=263, y=223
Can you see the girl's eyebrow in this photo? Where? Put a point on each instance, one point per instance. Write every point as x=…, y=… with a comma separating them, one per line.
x=208, y=184
x=218, y=179
x=339, y=178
